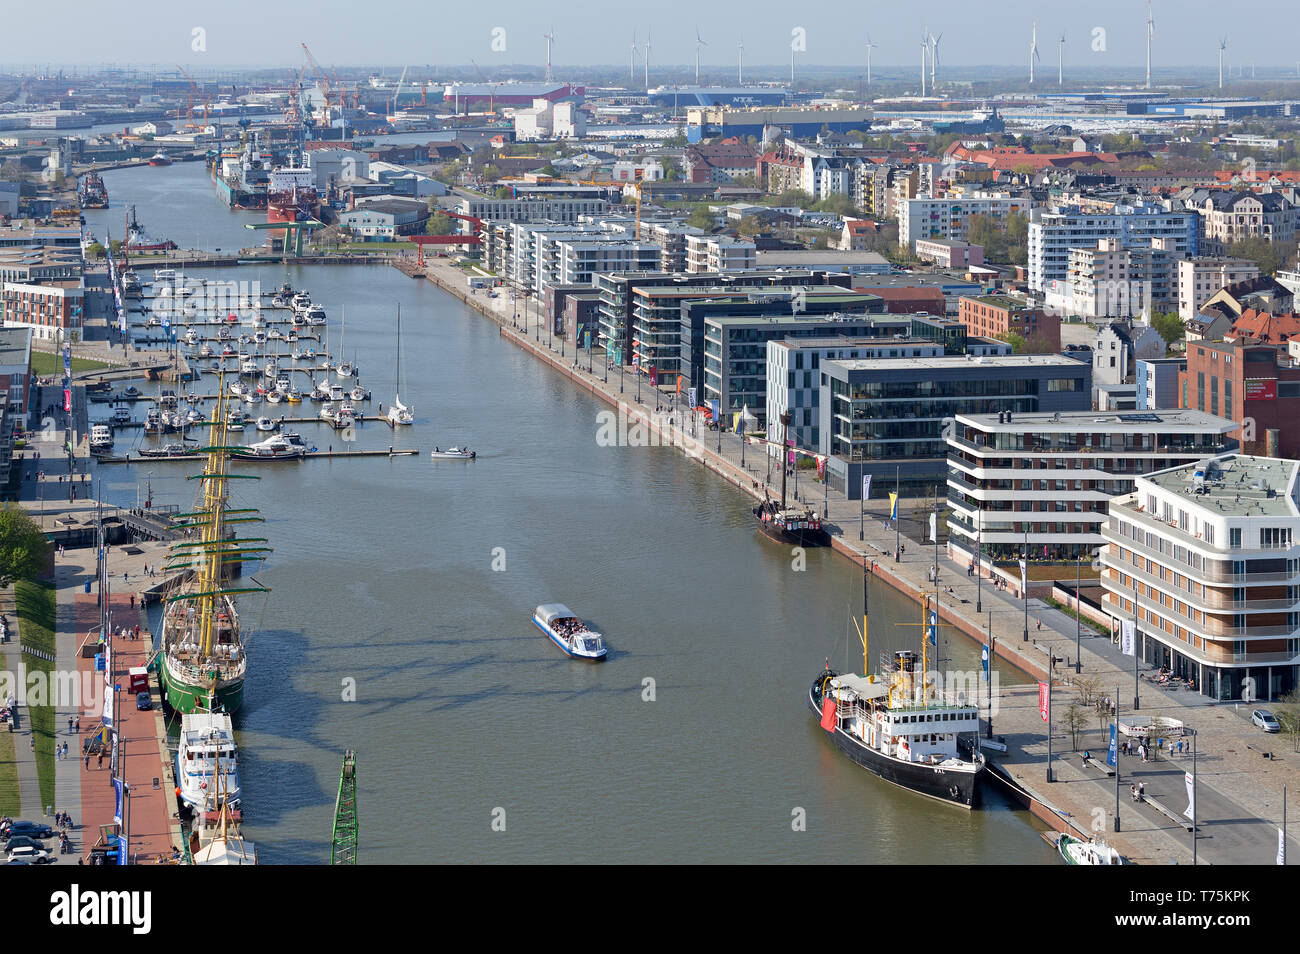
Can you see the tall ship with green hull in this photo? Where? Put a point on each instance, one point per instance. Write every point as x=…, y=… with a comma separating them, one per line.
x=204, y=651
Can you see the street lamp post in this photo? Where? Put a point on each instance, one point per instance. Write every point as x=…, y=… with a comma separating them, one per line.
x=1137, y=652
x=1078, y=616
x=898, y=542
x=979, y=560
x=1024, y=594
x=989, y=676
x=1115, y=729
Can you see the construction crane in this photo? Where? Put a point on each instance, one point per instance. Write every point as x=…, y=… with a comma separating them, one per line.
x=321, y=77
x=293, y=112
x=189, y=103
x=492, y=93
x=398, y=92
x=343, y=846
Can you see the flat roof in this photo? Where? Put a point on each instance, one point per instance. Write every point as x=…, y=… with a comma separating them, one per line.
x=15, y=347
x=1182, y=421
x=984, y=361
x=1237, y=485
x=847, y=341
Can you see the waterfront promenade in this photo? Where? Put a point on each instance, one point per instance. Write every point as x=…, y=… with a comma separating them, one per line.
x=1240, y=791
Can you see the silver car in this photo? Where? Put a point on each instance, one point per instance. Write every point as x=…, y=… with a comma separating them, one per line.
x=1265, y=720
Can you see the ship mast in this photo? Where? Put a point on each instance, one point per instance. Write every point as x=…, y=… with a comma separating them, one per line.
x=786, y=418
x=866, y=666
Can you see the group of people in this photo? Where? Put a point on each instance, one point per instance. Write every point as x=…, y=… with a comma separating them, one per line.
x=1138, y=791
x=568, y=627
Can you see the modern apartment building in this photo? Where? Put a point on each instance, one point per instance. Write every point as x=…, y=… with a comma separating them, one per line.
x=533, y=210
x=1112, y=280
x=1052, y=233
x=1204, y=559
x=718, y=253
x=886, y=417
x=949, y=217
x=1052, y=476
x=1254, y=385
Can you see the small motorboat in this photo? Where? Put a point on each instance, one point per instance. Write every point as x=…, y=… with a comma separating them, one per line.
x=1077, y=851
x=238, y=388
x=265, y=424
x=359, y=393
x=293, y=396
x=569, y=632
x=274, y=396
x=236, y=420
x=453, y=453
x=252, y=397
x=120, y=416
x=286, y=446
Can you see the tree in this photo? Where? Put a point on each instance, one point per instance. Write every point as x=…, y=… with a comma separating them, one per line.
x=440, y=224
x=24, y=551
x=1260, y=251
x=502, y=192
x=95, y=250
x=1287, y=710
x=672, y=169
x=1089, y=688
x=701, y=218
x=1075, y=720
x=749, y=225
x=1169, y=325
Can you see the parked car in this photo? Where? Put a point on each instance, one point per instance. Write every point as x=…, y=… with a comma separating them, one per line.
x=30, y=855
x=143, y=701
x=30, y=829
x=1265, y=720
x=19, y=841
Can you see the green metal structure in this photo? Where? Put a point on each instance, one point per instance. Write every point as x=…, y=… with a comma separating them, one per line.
x=343, y=850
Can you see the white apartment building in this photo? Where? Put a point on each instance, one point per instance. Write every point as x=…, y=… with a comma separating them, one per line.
x=1204, y=561
x=533, y=210
x=949, y=217
x=1054, y=475
x=1202, y=277
x=1052, y=233
x=1111, y=280
x=718, y=253
x=579, y=259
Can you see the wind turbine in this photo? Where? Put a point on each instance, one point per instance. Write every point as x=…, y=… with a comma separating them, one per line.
x=549, y=37
x=934, y=59
x=647, y=56
x=698, y=43
x=1151, y=29
x=870, y=46
x=631, y=59
x=1033, y=53
x=925, y=52
x=740, y=61
x=1060, y=60
x=1223, y=45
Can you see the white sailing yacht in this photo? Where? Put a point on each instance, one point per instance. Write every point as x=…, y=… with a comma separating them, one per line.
x=399, y=413
x=344, y=369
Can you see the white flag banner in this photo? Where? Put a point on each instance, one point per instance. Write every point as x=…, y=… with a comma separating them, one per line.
x=1281, y=847
x=1023, y=571
x=866, y=486
x=934, y=523
x=1127, y=642
x=1191, y=797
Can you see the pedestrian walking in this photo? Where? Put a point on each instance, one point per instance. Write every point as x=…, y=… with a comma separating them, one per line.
x=1142, y=791
x=69, y=723
x=31, y=742
x=132, y=601
x=100, y=761
x=77, y=725
x=1133, y=792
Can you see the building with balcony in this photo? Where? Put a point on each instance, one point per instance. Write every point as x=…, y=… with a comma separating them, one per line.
x=886, y=417
x=1201, y=278
x=1053, y=233
x=718, y=253
x=1048, y=479
x=1205, y=560
x=996, y=316
x=950, y=217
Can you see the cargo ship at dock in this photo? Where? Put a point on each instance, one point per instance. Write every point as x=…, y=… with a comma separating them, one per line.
x=243, y=178
x=291, y=197
x=204, y=644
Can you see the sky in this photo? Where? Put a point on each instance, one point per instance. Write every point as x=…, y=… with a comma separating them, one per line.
x=224, y=33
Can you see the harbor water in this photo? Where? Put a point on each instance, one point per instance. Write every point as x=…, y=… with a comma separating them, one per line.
x=399, y=622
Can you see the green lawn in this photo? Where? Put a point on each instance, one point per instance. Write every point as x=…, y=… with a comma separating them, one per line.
x=9, y=802
x=44, y=363
x=36, y=603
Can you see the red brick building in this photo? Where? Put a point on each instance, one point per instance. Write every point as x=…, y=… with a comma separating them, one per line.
x=994, y=316
x=1251, y=384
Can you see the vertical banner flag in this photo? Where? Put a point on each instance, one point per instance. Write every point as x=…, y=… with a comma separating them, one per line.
x=107, y=717
x=586, y=338
x=934, y=528
x=821, y=468
x=679, y=384
x=933, y=628
x=1127, y=642
x=716, y=407
x=654, y=376
x=984, y=661
x=1042, y=700
x=117, y=801
x=893, y=507
x=1190, y=812
x=735, y=422
x=1112, y=757
x=866, y=486
x=1281, y=847
x=1024, y=585
x=67, y=400
x=694, y=397
x=789, y=454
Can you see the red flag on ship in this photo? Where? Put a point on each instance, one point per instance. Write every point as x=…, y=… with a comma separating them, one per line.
x=829, y=719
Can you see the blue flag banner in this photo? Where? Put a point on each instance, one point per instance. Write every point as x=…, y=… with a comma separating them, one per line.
x=117, y=800
x=932, y=631
x=1111, y=755
x=984, y=659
